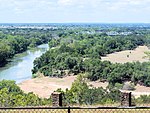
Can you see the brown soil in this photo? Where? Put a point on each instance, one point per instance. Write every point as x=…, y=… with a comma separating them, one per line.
x=44, y=86
x=133, y=55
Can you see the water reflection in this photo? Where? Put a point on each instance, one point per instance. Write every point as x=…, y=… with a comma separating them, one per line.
x=20, y=67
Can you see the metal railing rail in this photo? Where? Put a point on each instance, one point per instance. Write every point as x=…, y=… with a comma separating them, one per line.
x=136, y=107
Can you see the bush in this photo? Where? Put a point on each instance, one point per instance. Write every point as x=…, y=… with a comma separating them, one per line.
x=128, y=86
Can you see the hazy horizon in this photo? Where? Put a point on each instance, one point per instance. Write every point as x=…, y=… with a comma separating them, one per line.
x=73, y=23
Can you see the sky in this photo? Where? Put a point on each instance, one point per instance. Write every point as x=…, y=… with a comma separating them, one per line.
x=74, y=11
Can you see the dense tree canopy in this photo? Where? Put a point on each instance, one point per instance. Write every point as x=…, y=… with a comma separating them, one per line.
x=84, y=94
x=75, y=53
x=12, y=96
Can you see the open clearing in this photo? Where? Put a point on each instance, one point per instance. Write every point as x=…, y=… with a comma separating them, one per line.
x=134, y=55
x=44, y=86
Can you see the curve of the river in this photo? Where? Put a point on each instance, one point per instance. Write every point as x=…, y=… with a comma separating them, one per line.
x=20, y=67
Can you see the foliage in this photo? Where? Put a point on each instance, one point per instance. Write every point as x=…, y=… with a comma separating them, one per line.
x=128, y=86
x=82, y=93
x=19, y=41
x=143, y=99
x=12, y=96
x=76, y=52
x=76, y=49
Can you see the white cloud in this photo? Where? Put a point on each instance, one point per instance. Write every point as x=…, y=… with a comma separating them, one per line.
x=106, y=5
x=137, y=2
x=66, y=8
x=23, y=5
x=65, y=2
x=20, y=6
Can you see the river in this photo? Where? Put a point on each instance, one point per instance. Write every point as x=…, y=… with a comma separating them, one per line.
x=19, y=69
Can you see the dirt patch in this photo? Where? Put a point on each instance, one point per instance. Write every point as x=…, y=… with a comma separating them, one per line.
x=139, y=90
x=44, y=86
x=128, y=55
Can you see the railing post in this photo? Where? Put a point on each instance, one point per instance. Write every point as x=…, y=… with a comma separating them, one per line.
x=56, y=99
x=130, y=99
x=69, y=109
x=126, y=100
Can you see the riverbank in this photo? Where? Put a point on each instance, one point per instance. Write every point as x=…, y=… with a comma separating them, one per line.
x=19, y=69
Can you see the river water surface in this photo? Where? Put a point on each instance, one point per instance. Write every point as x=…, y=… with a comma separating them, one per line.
x=19, y=69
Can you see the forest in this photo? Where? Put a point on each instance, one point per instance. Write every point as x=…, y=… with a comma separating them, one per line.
x=76, y=50
x=79, y=52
